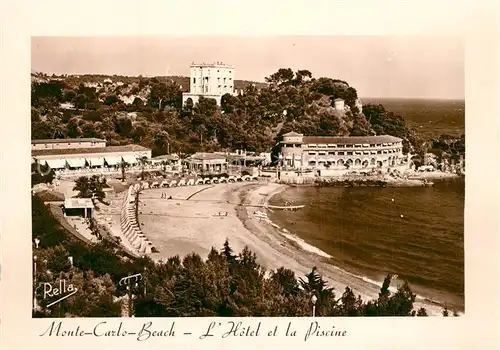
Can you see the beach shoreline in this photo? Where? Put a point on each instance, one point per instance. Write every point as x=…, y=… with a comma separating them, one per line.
x=181, y=228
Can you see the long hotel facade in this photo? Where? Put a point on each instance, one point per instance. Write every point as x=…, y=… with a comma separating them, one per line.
x=84, y=153
x=341, y=153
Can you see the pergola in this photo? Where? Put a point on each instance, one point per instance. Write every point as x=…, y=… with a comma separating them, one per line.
x=207, y=162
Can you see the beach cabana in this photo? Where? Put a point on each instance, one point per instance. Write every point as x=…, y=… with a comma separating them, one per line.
x=78, y=207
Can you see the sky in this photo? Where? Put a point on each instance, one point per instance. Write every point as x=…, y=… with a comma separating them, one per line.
x=376, y=66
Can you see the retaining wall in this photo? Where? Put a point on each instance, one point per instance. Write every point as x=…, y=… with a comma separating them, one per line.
x=130, y=227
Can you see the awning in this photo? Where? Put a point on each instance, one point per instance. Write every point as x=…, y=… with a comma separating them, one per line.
x=288, y=157
x=313, y=145
x=130, y=159
x=113, y=160
x=332, y=145
x=76, y=162
x=321, y=160
x=95, y=161
x=56, y=163
x=298, y=157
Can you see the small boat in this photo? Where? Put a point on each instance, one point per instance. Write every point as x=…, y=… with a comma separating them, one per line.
x=285, y=207
x=427, y=183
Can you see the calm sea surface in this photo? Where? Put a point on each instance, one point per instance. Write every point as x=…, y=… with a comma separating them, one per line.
x=430, y=118
x=415, y=232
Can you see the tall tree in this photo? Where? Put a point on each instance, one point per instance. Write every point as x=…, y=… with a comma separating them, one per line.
x=90, y=187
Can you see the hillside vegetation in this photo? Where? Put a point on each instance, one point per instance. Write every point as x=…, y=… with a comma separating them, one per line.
x=225, y=284
x=149, y=112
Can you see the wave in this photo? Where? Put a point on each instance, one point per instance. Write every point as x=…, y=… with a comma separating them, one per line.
x=315, y=250
x=302, y=244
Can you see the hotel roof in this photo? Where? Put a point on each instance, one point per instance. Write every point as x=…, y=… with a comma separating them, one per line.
x=350, y=140
x=292, y=133
x=89, y=150
x=42, y=141
x=213, y=64
x=206, y=156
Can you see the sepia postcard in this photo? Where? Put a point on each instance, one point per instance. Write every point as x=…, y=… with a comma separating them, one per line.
x=290, y=188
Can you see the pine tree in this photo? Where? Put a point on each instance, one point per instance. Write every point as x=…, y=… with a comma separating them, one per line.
x=227, y=252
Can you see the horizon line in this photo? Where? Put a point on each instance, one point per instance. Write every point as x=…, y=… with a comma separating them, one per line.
x=250, y=80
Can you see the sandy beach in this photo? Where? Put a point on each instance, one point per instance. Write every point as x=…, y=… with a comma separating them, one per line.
x=195, y=220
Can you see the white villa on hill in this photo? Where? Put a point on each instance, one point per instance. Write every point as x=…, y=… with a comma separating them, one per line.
x=210, y=80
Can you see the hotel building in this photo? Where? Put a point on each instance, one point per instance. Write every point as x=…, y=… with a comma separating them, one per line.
x=84, y=153
x=340, y=153
x=210, y=81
